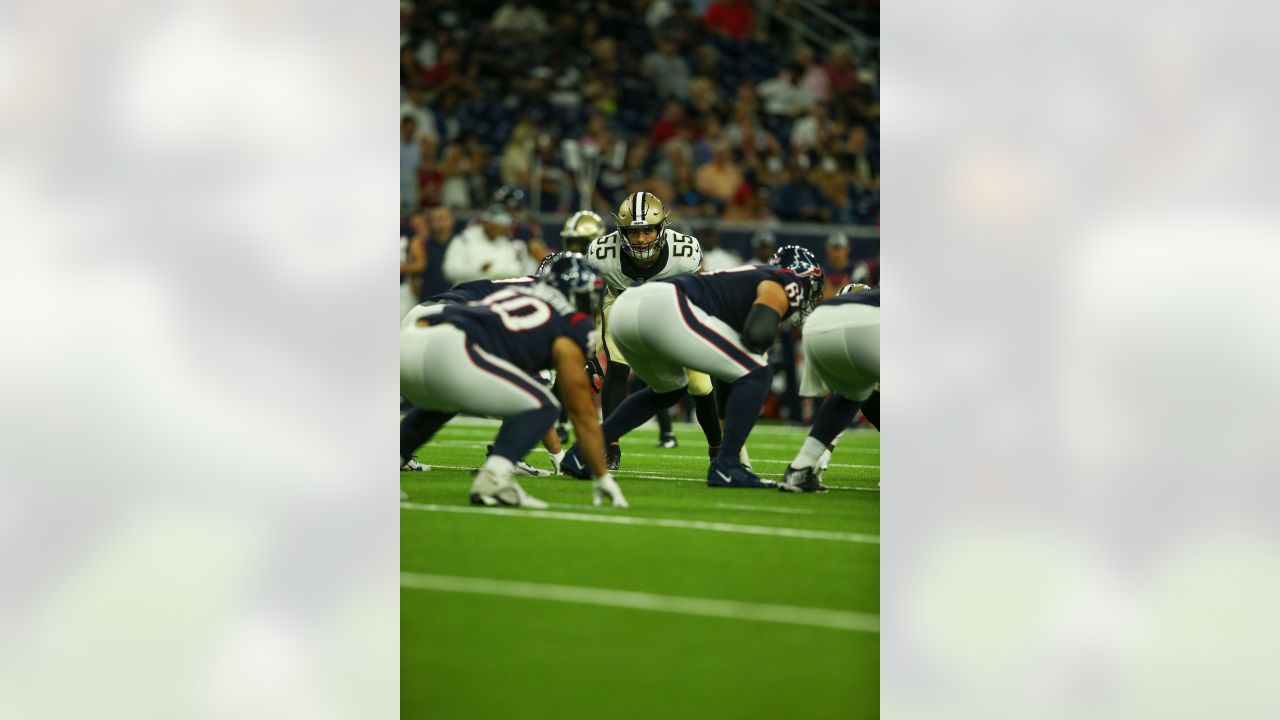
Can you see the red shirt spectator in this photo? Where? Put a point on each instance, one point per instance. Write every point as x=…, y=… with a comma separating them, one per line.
x=734, y=18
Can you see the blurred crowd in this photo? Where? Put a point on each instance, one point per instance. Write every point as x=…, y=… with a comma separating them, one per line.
x=715, y=107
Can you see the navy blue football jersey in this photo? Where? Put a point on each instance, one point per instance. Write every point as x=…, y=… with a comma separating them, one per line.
x=520, y=326
x=476, y=289
x=866, y=297
x=729, y=294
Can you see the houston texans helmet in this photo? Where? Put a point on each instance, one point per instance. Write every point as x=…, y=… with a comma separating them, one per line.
x=805, y=266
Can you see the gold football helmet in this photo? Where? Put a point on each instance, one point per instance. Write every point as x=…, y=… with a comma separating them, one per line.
x=641, y=213
x=581, y=228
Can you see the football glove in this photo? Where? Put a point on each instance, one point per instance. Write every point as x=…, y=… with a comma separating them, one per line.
x=605, y=486
x=595, y=375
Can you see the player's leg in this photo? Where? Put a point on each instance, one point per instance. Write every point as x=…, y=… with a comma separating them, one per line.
x=704, y=403
x=466, y=378
x=416, y=429
x=701, y=342
x=871, y=408
x=614, y=389
x=830, y=420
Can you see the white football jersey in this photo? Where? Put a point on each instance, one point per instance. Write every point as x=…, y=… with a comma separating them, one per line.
x=681, y=255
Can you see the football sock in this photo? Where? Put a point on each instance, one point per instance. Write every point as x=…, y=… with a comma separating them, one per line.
x=635, y=410
x=557, y=458
x=708, y=417
x=615, y=387
x=416, y=429
x=832, y=418
x=664, y=421
x=741, y=411
x=871, y=409
x=809, y=453
x=521, y=432
x=499, y=465
x=824, y=459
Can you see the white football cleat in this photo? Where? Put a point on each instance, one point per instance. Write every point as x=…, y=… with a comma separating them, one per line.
x=491, y=490
x=524, y=469
x=414, y=466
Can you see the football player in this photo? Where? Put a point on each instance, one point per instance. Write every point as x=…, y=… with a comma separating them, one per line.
x=641, y=250
x=813, y=386
x=842, y=356
x=721, y=323
x=579, y=230
x=476, y=291
x=480, y=358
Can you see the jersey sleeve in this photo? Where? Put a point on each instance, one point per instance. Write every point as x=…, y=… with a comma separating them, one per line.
x=686, y=253
x=583, y=331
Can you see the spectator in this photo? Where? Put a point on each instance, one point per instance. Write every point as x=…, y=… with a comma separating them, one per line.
x=834, y=187
x=720, y=178
x=841, y=72
x=430, y=179
x=798, y=199
x=668, y=72
x=410, y=159
x=712, y=135
x=668, y=126
x=517, y=17
x=733, y=19
x=413, y=261
x=484, y=251
x=812, y=76
x=706, y=63
x=762, y=244
x=784, y=96
x=704, y=100
x=835, y=266
x=517, y=158
x=685, y=195
x=715, y=257
x=684, y=26
x=749, y=139
x=446, y=73
x=414, y=106
x=810, y=132
x=440, y=225
x=455, y=191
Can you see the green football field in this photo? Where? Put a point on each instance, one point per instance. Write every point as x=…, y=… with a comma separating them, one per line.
x=693, y=603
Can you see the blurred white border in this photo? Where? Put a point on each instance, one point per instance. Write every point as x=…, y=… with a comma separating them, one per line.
x=197, y=506
x=1079, y=494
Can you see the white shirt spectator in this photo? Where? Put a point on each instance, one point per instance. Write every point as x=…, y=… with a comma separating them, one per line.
x=720, y=259
x=518, y=16
x=474, y=255
x=783, y=97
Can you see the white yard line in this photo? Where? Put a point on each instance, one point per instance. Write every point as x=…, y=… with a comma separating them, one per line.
x=661, y=456
x=623, y=474
x=706, y=607
x=615, y=519
x=763, y=508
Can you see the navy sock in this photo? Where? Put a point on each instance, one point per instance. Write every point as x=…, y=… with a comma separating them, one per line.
x=708, y=417
x=615, y=387
x=871, y=409
x=416, y=429
x=664, y=421
x=521, y=432
x=742, y=409
x=832, y=418
x=635, y=410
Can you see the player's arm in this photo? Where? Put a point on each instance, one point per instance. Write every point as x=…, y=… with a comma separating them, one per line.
x=761, y=326
x=578, y=401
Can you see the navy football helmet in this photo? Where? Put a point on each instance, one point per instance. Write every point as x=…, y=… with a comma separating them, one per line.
x=805, y=266
x=546, y=262
x=571, y=276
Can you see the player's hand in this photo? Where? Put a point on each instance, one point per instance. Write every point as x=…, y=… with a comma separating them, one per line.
x=605, y=486
x=595, y=376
